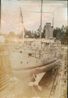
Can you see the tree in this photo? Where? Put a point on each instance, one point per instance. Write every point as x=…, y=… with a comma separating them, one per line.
x=58, y=33
x=65, y=38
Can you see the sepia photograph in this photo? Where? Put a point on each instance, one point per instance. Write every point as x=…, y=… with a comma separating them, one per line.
x=33, y=48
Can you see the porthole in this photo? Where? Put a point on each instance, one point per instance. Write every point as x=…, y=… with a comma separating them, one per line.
x=30, y=54
x=21, y=62
x=20, y=51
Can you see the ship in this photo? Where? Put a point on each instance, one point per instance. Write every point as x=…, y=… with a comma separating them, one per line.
x=32, y=57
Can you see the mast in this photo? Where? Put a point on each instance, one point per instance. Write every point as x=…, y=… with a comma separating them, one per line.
x=41, y=18
x=53, y=21
x=21, y=15
x=22, y=23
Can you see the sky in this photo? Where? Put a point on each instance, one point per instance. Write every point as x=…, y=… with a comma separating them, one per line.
x=11, y=19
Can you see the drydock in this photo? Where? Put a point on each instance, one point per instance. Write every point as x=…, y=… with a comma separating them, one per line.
x=34, y=69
